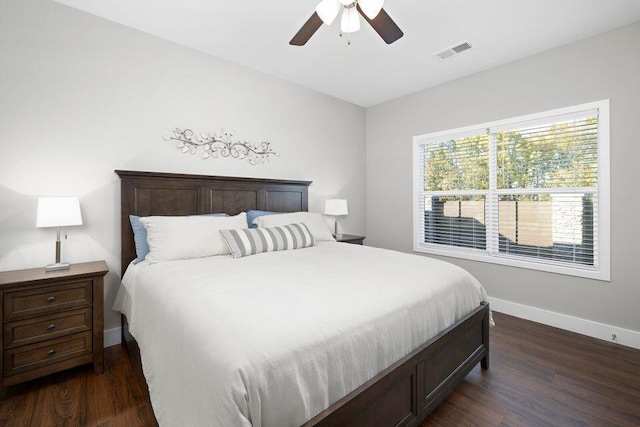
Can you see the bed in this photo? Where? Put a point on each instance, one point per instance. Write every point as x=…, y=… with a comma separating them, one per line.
x=415, y=376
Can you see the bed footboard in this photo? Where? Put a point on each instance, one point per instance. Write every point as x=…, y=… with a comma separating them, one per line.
x=405, y=393
x=408, y=391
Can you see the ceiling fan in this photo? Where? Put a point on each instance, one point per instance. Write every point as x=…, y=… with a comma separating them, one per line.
x=327, y=11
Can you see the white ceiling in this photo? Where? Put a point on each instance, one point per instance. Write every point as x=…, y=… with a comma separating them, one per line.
x=256, y=34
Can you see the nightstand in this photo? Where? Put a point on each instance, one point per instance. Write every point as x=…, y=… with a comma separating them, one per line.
x=349, y=238
x=51, y=321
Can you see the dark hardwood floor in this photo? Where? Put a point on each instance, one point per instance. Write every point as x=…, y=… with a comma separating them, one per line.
x=543, y=376
x=539, y=376
x=79, y=397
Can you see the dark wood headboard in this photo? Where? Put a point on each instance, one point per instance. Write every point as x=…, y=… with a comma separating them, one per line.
x=153, y=193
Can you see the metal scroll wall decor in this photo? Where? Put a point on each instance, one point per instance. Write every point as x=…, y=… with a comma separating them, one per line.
x=220, y=145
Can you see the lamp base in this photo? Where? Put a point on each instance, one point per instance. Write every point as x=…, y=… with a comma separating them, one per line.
x=57, y=266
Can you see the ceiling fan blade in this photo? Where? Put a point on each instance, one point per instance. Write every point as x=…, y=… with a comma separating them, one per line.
x=308, y=29
x=384, y=26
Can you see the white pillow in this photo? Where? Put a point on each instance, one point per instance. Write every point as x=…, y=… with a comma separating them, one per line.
x=183, y=237
x=312, y=220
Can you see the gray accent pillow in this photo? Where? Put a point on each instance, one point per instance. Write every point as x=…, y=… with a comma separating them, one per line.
x=251, y=241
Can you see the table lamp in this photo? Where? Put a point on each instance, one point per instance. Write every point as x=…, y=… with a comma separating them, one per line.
x=336, y=207
x=58, y=212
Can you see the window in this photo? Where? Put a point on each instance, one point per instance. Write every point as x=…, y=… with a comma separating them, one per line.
x=531, y=191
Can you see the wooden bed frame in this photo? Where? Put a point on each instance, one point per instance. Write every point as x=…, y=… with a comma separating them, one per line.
x=403, y=394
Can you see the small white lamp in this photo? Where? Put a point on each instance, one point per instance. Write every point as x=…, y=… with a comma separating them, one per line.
x=336, y=207
x=58, y=212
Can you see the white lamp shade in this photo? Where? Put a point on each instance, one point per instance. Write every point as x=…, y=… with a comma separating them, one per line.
x=327, y=10
x=58, y=212
x=335, y=207
x=350, y=22
x=371, y=8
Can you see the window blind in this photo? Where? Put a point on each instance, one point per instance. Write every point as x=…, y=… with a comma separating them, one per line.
x=547, y=173
x=455, y=183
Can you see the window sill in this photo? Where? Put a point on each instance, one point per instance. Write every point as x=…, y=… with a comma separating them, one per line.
x=483, y=256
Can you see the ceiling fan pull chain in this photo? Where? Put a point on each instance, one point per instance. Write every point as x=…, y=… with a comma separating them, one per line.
x=348, y=41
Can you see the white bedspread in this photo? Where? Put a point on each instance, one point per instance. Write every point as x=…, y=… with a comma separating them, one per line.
x=274, y=339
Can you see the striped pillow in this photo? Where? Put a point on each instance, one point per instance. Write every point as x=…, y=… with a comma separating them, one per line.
x=251, y=241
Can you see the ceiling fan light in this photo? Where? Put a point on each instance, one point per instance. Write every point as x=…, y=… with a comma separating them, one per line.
x=327, y=10
x=371, y=8
x=350, y=22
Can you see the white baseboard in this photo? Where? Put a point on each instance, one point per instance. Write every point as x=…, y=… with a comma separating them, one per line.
x=112, y=337
x=601, y=331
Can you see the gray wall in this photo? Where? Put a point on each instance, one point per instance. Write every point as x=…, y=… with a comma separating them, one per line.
x=601, y=67
x=81, y=96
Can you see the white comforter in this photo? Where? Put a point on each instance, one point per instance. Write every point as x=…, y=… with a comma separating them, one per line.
x=274, y=339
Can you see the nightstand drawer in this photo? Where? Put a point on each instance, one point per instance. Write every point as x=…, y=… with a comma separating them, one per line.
x=34, y=356
x=29, y=331
x=20, y=304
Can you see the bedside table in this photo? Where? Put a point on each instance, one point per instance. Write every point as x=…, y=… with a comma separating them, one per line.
x=51, y=321
x=349, y=238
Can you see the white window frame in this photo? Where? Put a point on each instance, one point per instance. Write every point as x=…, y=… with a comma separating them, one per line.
x=602, y=245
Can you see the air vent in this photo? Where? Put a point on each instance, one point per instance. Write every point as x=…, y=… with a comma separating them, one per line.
x=452, y=51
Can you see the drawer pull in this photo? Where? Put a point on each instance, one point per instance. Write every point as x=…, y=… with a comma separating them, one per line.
x=51, y=327
x=51, y=352
x=51, y=299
